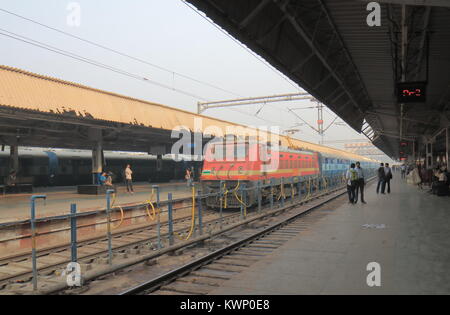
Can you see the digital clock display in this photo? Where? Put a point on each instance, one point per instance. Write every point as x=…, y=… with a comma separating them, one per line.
x=408, y=92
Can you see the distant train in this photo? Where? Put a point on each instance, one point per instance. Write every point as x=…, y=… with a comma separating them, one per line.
x=240, y=163
x=73, y=167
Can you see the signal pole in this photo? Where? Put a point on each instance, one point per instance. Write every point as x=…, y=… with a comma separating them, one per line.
x=320, y=128
x=320, y=121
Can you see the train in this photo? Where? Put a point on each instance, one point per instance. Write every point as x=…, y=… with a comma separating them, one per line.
x=64, y=167
x=233, y=165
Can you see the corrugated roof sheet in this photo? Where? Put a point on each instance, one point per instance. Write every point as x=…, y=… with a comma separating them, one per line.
x=29, y=91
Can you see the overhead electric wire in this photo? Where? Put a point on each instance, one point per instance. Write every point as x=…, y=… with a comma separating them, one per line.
x=132, y=75
x=152, y=64
x=119, y=52
x=107, y=67
x=93, y=62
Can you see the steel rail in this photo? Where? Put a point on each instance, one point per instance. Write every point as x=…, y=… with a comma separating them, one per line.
x=183, y=270
x=116, y=248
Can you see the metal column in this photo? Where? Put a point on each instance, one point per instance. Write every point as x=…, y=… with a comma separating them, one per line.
x=73, y=232
x=170, y=218
x=429, y=155
x=97, y=162
x=14, y=158
x=447, y=148
x=33, y=238
x=108, y=224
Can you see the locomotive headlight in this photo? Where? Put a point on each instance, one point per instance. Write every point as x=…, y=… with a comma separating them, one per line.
x=240, y=170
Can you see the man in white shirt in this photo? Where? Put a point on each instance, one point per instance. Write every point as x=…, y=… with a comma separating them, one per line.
x=360, y=183
x=129, y=178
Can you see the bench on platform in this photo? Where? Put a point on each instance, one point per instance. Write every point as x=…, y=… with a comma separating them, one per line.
x=20, y=185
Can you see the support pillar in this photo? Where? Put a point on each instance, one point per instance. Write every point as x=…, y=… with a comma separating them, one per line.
x=97, y=162
x=14, y=158
x=447, y=147
x=429, y=155
x=13, y=170
x=96, y=136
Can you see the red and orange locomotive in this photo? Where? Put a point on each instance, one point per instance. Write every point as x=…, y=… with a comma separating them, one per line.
x=239, y=164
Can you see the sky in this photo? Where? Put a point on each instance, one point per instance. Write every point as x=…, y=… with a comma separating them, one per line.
x=167, y=34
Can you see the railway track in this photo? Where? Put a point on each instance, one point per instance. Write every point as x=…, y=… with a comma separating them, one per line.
x=129, y=247
x=206, y=274
x=16, y=272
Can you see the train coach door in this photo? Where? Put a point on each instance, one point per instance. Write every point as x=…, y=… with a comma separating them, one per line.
x=52, y=167
x=159, y=163
x=75, y=170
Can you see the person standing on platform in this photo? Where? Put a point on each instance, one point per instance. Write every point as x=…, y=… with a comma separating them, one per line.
x=351, y=176
x=360, y=183
x=387, y=179
x=403, y=170
x=380, y=177
x=129, y=179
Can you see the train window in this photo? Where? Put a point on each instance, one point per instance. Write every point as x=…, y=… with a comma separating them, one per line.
x=230, y=152
x=218, y=152
x=241, y=151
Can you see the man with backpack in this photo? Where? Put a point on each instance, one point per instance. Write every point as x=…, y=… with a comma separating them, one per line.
x=352, y=180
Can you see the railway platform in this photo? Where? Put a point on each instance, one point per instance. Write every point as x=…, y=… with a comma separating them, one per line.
x=407, y=233
x=16, y=207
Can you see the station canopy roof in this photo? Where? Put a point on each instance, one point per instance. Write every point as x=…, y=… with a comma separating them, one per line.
x=41, y=111
x=329, y=49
